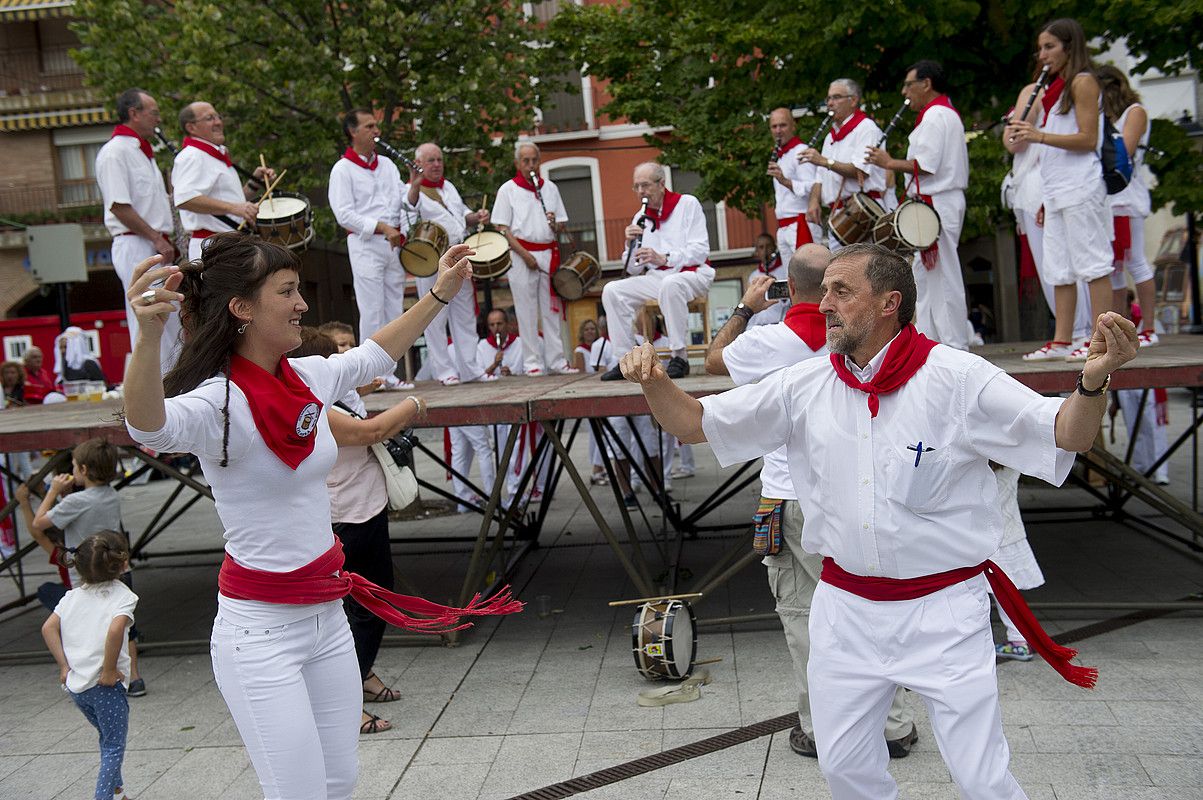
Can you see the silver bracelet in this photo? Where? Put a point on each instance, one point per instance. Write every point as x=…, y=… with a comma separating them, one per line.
x=417, y=401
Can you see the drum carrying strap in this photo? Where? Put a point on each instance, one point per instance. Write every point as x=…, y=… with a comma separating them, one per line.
x=432, y=193
x=931, y=256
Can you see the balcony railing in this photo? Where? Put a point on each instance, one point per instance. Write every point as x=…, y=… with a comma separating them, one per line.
x=31, y=71
x=73, y=201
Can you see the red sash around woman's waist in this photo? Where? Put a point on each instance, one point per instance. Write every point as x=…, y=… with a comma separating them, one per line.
x=324, y=579
x=888, y=589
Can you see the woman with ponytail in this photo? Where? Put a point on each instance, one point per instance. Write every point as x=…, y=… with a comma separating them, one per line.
x=282, y=651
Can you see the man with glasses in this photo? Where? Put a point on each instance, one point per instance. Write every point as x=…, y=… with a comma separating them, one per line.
x=137, y=212
x=937, y=166
x=205, y=182
x=670, y=267
x=843, y=170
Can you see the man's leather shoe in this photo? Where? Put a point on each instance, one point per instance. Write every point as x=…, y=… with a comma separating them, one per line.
x=677, y=367
x=901, y=748
x=613, y=374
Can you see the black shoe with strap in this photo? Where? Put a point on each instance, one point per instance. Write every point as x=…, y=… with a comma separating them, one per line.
x=677, y=367
x=612, y=374
x=901, y=748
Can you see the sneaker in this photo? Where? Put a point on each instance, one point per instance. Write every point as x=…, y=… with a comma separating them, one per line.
x=613, y=374
x=1050, y=351
x=1148, y=338
x=566, y=370
x=136, y=688
x=394, y=384
x=629, y=500
x=901, y=748
x=534, y=373
x=802, y=744
x=486, y=377
x=1017, y=651
x=677, y=367
x=1080, y=352
x=681, y=473
x=452, y=380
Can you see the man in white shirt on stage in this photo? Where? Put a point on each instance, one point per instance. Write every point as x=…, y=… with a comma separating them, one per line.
x=137, y=211
x=889, y=444
x=532, y=215
x=365, y=196
x=748, y=354
x=430, y=196
x=672, y=258
x=937, y=166
x=792, y=182
x=843, y=170
x=206, y=188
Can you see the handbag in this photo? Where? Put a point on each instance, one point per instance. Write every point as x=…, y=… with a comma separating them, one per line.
x=766, y=526
x=395, y=457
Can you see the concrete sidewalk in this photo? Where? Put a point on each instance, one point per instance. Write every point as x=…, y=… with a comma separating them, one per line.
x=529, y=701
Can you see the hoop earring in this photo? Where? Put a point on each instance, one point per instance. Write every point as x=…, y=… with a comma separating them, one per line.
x=242, y=328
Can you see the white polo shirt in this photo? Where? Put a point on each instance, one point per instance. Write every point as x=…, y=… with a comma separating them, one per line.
x=449, y=214
x=127, y=176
x=682, y=237
x=851, y=150
x=519, y=210
x=938, y=144
x=792, y=200
x=486, y=352
x=362, y=197
x=196, y=173
x=870, y=500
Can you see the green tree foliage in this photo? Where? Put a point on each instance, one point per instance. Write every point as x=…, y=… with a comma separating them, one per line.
x=1178, y=167
x=281, y=73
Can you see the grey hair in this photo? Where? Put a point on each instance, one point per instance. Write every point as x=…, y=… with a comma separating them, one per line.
x=130, y=100
x=850, y=86
x=658, y=173
x=887, y=272
x=521, y=144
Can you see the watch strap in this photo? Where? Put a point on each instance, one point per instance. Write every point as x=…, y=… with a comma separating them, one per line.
x=1082, y=390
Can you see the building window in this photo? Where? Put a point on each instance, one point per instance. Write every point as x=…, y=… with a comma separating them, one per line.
x=77, y=174
x=685, y=182
x=575, y=183
x=565, y=110
x=15, y=347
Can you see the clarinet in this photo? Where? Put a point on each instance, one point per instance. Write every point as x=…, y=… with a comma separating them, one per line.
x=638, y=240
x=821, y=131
x=534, y=181
x=893, y=123
x=393, y=152
x=1041, y=82
x=175, y=151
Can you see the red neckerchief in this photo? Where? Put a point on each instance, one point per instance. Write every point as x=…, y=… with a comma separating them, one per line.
x=525, y=183
x=939, y=100
x=666, y=207
x=360, y=161
x=907, y=353
x=433, y=184
x=775, y=261
x=1051, y=95
x=493, y=340
x=324, y=579
x=143, y=145
x=809, y=323
x=284, y=409
x=849, y=125
x=205, y=147
x=790, y=145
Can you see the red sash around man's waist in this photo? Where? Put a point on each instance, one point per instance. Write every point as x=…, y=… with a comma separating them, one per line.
x=324, y=579
x=202, y=234
x=690, y=268
x=1012, y=602
x=802, y=235
x=554, y=247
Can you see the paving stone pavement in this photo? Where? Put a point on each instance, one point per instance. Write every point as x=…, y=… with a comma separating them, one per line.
x=528, y=701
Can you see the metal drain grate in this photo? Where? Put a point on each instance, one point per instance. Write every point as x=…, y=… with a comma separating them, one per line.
x=639, y=766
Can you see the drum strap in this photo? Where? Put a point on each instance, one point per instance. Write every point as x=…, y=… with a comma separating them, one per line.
x=433, y=194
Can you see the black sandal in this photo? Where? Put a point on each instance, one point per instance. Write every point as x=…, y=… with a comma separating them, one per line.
x=385, y=695
x=375, y=725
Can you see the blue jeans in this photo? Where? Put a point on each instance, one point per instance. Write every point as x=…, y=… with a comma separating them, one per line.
x=107, y=708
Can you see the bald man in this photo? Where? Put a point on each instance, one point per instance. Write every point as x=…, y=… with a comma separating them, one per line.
x=792, y=182
x=205, y=183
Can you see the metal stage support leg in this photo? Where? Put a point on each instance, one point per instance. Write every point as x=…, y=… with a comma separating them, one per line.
x=640, y=578
x=17, y=558
x=735, y=553
x=1136, y=484
x=604, y=431
x=183, y=479
x=487, y=521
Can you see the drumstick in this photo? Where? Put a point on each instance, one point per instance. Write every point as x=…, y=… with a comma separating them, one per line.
x=263, y=163
x=480, y=226
x=265, y=194
x=613, y=603
x=708, y=661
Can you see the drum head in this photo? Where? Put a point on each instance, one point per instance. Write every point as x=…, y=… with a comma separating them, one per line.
x=917, y=224
x=683, y=634
x=488, y=245
x=281, y=208
x=568, y=284
x=869, y=205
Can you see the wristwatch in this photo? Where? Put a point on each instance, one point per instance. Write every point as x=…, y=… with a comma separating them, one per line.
x=742, y=310
x=1082, y=390
x=830, y=163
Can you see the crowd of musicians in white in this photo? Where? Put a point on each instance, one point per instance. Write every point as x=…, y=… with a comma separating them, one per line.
x=898, y=442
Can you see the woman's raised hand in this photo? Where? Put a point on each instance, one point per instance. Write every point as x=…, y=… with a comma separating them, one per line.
x=151, y=294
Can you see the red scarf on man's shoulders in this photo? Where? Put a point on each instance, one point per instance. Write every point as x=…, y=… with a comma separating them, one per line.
x=143, y=145
x=790, y=145
x=809, y=323
x=205, y=147
x=524, y=182
x=666, y=207
x=284, y=409
x=908, y=352
x=359, y=161
x=427, y=182
x=849, y=125
x=939, y=100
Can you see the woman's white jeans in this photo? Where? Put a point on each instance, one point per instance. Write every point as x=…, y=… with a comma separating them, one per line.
x=295, y=695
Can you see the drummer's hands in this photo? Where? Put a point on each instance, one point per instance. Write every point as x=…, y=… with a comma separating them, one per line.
x=454, y=269
x=814, y=214
x=650, y=258
x=1113, y=344
x=152, y=316
x=264, y=175
x=247, y=210
x=642, y=365
x=877, y=156
x=754, y=298
x=479, y=218
x=393, y=235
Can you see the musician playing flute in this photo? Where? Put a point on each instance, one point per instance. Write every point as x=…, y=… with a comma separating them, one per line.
x=137, y=211
x=205, y=182
x=937, y=166
x=792, y=182
x=842, y=168
x=531, y=215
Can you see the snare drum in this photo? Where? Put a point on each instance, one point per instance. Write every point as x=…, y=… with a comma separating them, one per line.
x=576, y=275
x=854, y=221
x=911, y=227
x=425, y=244
x=664, y=639
x=492, y=258
x=286, y=219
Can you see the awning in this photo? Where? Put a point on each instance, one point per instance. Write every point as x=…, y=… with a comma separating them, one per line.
x=22, y=10
x=54, y=119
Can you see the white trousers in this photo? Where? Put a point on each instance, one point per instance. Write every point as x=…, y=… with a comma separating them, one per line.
x=458, y=316
x=1135, y=262
x=1150, y=438
x=785, y=243
x=468, y=442
x=379, y=282
x=531, y=291
x=793, y=576
x=295, y=696
x=1077, y=242
x=940, y=309
x=940, y=647
x=1035, y=234
x=624, y=298
x=128, y=252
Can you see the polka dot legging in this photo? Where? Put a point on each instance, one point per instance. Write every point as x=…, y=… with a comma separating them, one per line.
x=107, y=708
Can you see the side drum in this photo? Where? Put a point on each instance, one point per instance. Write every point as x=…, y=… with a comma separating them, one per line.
x=492, y=259
x=911, y=227
x=286, y=219
x=854, y=221
x=426, y=243
x=576, y=275
x=664, y=639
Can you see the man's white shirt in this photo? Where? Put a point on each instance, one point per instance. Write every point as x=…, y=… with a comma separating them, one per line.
x=196, y=173
x=126, y=176
x=519, y=210
x=938, y=144
x=851, y=150
x=362, y=197
x=682, y=237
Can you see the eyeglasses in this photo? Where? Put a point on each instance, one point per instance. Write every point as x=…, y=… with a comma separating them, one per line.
x=831, y=98
x=644, y=185
x=908, y=84
x=214, y=117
